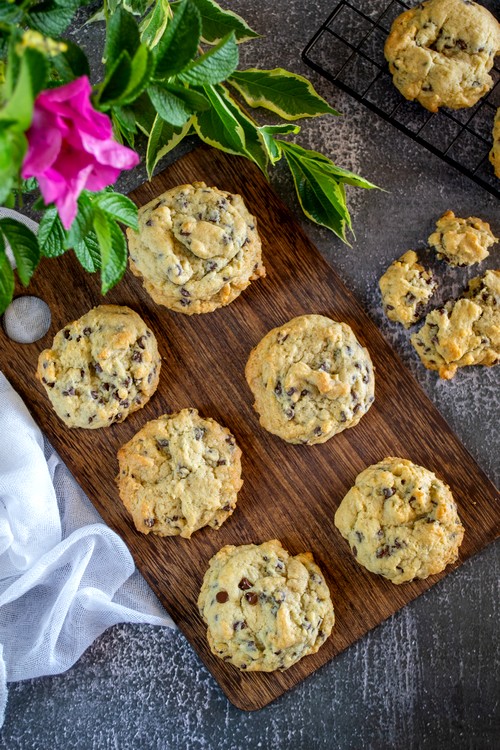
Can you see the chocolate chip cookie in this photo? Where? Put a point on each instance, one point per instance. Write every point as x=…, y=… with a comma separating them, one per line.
x=406, y=288
x=441, y=51
x=465, y=331
x=197, y=248
x=265, y=609
x=495, y=151
x=311, y=379
x=461, y=242
x=101, y=367
x=178, y=473
x=401, y=521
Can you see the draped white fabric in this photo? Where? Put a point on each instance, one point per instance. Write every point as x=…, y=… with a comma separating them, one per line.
x=64, y=575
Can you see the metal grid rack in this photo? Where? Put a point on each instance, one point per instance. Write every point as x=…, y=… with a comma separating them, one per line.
x=348, y=49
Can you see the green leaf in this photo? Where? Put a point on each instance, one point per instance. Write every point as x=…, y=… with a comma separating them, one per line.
x=121, y=34
x=142, y=65
x=271, y=144
x=51, y=234
x=24, y=246
x=169, y=106
x=117, y=207
x=179, y=43
x=217, y=23
x=155, y=23
x=6, y=279
x=254, y=146
x=113, y=249
x=214, y=66
x=144, y=113
x=50, y=18
x=218, y=126
x=88, y=253
x=162, y=139
x=82, y=223
x=117, y=80
x=72, y=63
x=319, y=161
x=287, y=94
x=31, y=78
x=321, y=197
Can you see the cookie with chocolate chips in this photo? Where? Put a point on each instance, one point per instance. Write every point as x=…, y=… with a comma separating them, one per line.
x=178, y=473
x=197, y=248
x=463, y=332
x=101, y=367
x=265, y=609
x=401, y=521
x=311, y=379
x=440, y=53
x=406, y=288
x=461, y=242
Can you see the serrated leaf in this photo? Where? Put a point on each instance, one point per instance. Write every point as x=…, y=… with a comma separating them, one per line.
x=50, y=18
x=116, y=81
x=326, y=165
x=217, y=23
x=121, y=34
x=271, y=144
x=322, y=199
x=179, y=43
x=170, y=108
x=287, y=94
x=82, y=223
x=117, y=207
x=218, y=127
x=88, y=253
x=162, y=139
x=213, y=66
x=6, y=279
x=153, y=26
x=72, y=63
x=24, y=246
x=113, y=249
x=51, y=234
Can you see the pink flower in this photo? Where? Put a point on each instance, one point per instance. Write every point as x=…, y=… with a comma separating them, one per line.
x=70, y=147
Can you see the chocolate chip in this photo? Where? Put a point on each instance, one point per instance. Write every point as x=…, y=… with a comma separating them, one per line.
x=388, y=492
x=149, y=522
x=305, y=392
x=383, y=552
x=162, y=442
x=252, y=597
x=198, y=433
x=69, y=391
x=354, y=551
x=278, y=389
x=185, y=302
x=91, y=419
x=87, y=331
x=67, y=334
x=97, y=367
x=239, y=625
x=136, y=357
x=280, y=565
x=185, y=292
x=222, y=462
x=401, y=570
x=230, y=440
x=222, y=597
x=360, y=536
x=343, y=416
x=318, y=431
x=289, y=413
x=140, y=342
x=389, y=307
x=245, y=584
x=291, y=391
x=124, y=403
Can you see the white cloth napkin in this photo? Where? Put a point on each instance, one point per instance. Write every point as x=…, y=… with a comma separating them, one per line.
x=64, y=575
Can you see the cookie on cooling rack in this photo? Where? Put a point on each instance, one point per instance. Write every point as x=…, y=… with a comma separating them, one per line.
x=101, y=367
x=265, y=609
x=197, y=248
x=401, y=521
x=311, y=379
x=178, y=473
x=441, y=51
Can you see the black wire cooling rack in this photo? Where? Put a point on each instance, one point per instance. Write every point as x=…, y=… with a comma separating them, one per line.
x=348, y=49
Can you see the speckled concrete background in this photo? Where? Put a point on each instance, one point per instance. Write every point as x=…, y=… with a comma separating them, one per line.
x=429, y=676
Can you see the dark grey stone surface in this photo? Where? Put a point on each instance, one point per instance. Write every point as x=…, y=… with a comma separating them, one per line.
x=429, y=676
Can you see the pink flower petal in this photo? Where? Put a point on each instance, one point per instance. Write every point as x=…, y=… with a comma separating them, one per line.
x=44, y=145
x=110, y=152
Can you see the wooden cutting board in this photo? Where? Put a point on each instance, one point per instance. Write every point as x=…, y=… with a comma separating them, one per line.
x=289, y=492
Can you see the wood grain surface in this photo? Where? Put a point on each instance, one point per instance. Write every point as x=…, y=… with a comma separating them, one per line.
x=289, y=492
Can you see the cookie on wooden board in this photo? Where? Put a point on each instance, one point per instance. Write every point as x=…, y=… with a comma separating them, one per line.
x=265, y=609
x=101, y=367
x=400, y=520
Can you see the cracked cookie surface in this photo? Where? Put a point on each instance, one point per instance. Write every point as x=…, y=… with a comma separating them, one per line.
x=461, y=242
x=311, y=379
x=265, y=609
x=495, y=151
x=401, y=521
x=406, y=288
x=179, y=473
x=440, y=53
x=101, y=367
x=197, y=248
x=465, y=331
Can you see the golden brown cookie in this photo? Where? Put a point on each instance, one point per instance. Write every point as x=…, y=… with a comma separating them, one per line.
x=495, y=151
x=197, y=248
x=401, y=521
x=441, y=51
x=461, y=242
x=178, y=473
x=406, y=288
x=265, y=609
x=311, y=379
x=101, y=367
